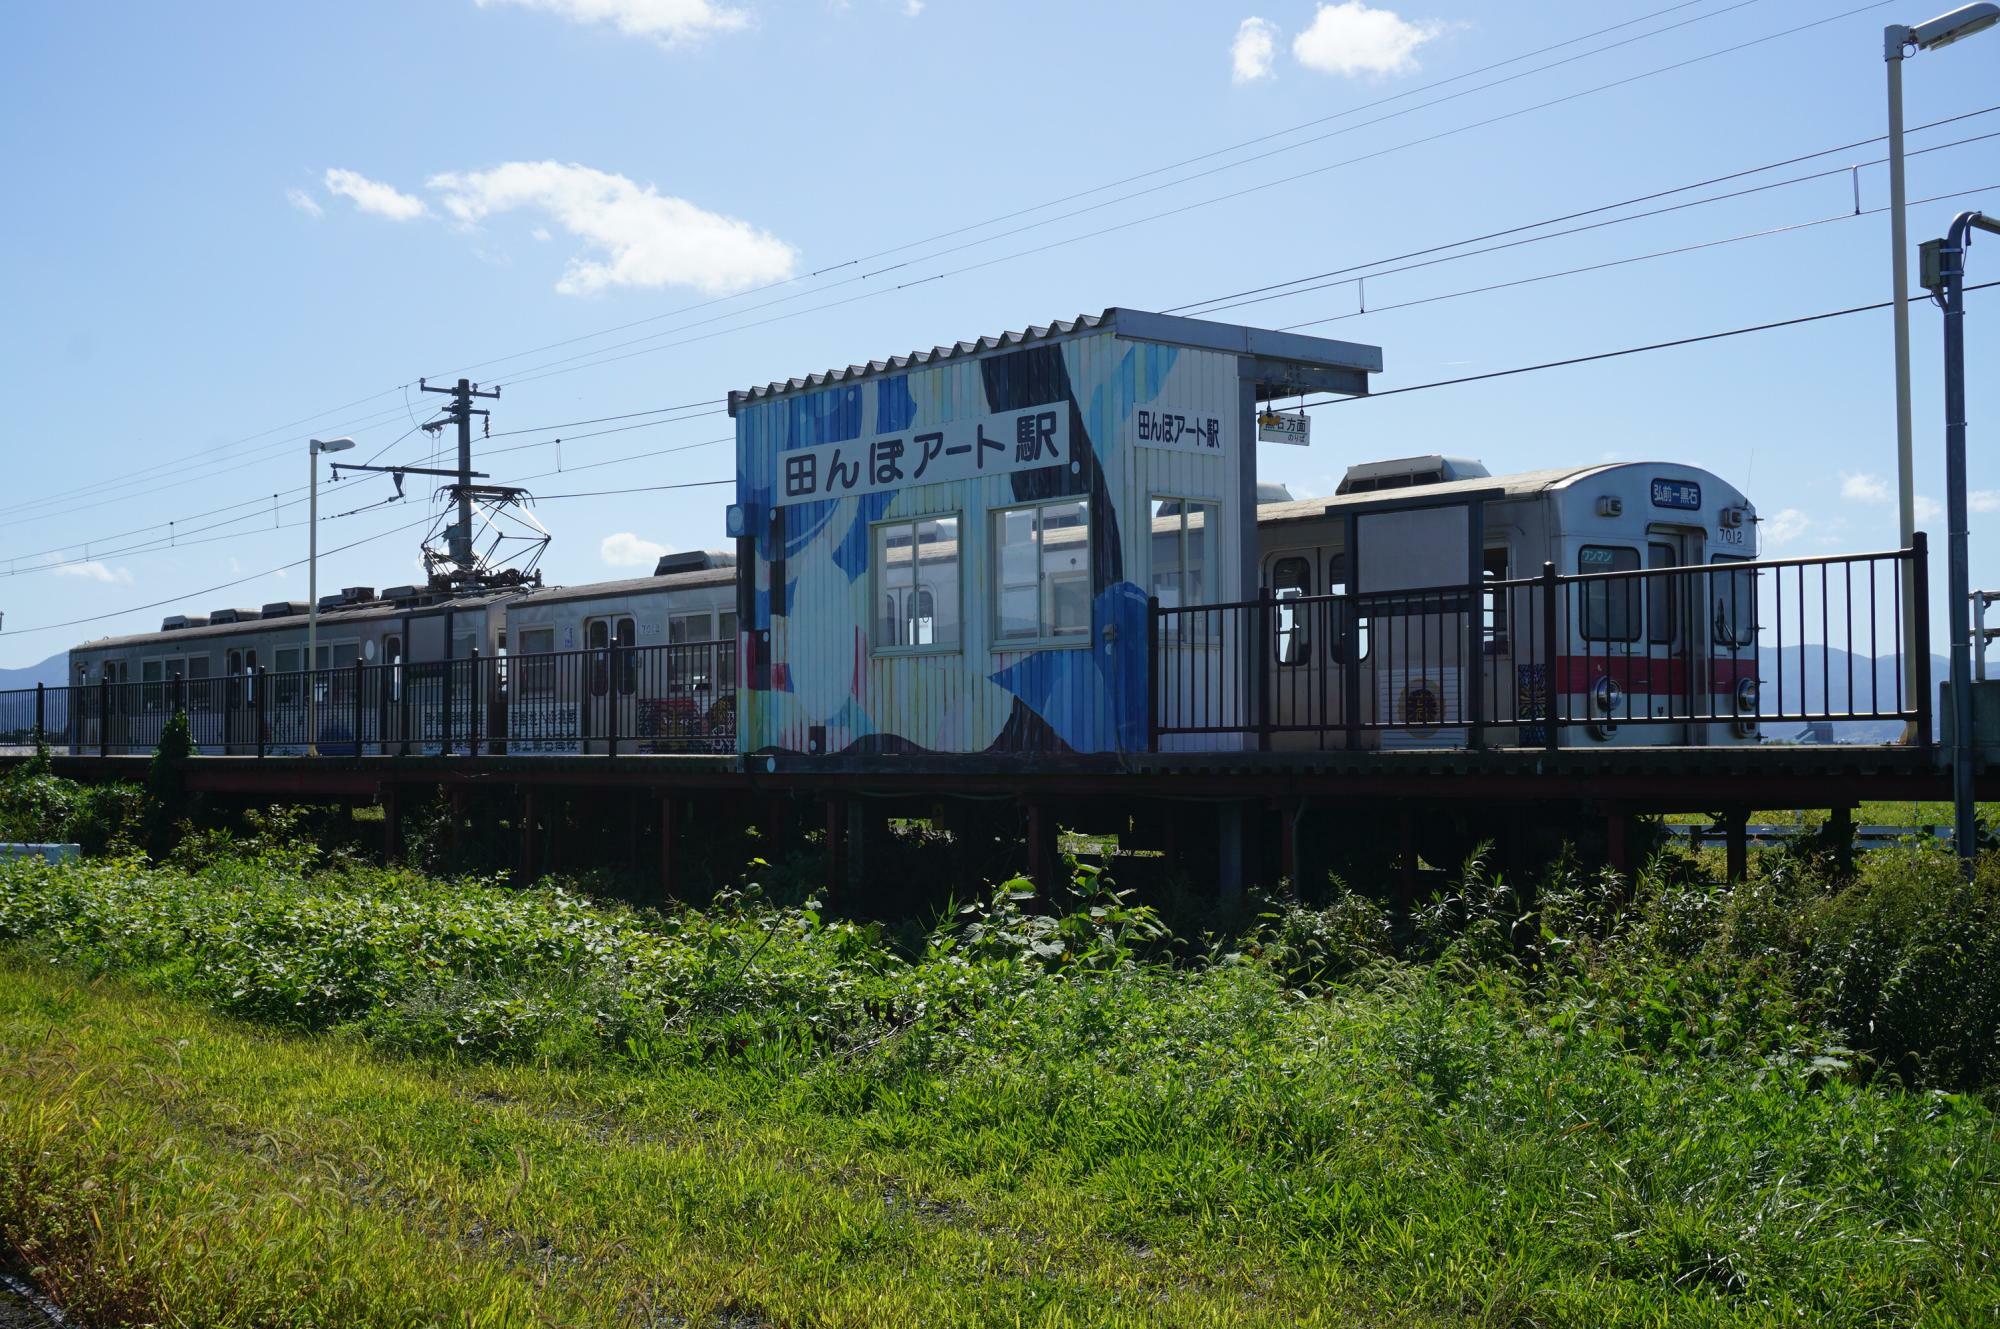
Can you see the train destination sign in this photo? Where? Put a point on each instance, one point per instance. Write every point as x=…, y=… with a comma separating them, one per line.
x=1684, y=494
x=967, y=449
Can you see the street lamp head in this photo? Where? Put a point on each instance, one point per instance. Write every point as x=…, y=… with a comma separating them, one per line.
x=320, y=445
x=1959, y=23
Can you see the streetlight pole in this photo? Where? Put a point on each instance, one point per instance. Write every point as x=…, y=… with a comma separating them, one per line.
x=1898, y=42
x=315, y=448
x=1947, y=283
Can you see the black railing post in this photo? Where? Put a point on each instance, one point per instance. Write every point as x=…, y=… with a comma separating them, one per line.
x=1920, y=668
x=614, y=688
x=260, y=704
x=405, y=680
x=1344, y=648
x=41, y=718
x=104, y=715
x=445, y=691
x=1152, y=673
x=357, y=705
x=1474, y=684
x=1260, y=677
x=1551, y=661
x=476, y=701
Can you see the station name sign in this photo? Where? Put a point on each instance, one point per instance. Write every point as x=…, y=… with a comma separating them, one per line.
x=967, y=449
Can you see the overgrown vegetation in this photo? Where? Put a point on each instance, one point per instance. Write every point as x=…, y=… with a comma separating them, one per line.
x=1590, y=1102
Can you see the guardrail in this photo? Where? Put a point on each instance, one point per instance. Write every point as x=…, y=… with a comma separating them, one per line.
x=609, y=701
x=1555, y=659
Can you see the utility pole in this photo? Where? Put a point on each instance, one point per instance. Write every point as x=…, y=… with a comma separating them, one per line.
x=461, y=412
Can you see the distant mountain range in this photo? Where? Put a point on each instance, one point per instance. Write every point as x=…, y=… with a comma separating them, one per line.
x=1813, y=675
x=52, y=671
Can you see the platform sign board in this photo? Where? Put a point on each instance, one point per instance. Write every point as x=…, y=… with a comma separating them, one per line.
x=964, y=449
x=1295, y=430
x=1682, y=494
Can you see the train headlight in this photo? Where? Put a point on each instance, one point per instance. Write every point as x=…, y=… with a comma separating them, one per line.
x=1607, y=696
x=1746, y=696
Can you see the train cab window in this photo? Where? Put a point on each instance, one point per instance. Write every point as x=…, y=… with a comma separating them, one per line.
x=915, y=577
x=1610, y=608
x=1291, y=579
x=1735, y=594
x=1041, y=574
x=1661, y=627
x=1493, y=607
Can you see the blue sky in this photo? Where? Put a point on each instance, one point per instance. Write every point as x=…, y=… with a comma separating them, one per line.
x=228, y=218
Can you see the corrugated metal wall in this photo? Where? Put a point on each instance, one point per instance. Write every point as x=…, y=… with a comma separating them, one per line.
x=826, y=683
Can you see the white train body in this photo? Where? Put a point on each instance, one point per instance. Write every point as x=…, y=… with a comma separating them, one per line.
x=1634, y=657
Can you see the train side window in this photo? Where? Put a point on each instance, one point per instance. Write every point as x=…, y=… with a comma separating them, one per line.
x=286, y=663
x=538, y=676
x=392, y=655
x=625, y=635
x=726, y=625
x=151, y=672
x=1291, y=579
x=1660, y=624
x=596, y=637
x=1493, y=611
x=685, y=628
x=1351, y=643
x=1735, y=596
x=1610, y=608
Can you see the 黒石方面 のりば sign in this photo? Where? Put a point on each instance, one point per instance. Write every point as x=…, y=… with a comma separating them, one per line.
x=1005, y=441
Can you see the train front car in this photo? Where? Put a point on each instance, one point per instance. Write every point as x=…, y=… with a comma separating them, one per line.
x=1659, y=641
x=1410, y=610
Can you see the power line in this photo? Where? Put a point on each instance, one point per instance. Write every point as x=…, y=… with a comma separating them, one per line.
x=1629, y=350
x=1114, y=184
x=209, y=590
x=572, y=364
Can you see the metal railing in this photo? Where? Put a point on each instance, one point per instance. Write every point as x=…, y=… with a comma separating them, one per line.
x=1537, y=662
x=609, y=701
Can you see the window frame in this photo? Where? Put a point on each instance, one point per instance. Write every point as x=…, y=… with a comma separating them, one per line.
x=1286, y=635
x=878, y=591
x=995, y=518
x=1194, y=628
x=1635, y=612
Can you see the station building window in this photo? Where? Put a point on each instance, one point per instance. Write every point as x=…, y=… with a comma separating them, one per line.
x=1041, y=574
x=915, y=582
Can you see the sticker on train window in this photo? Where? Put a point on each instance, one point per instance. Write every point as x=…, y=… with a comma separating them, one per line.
x=1684, y=494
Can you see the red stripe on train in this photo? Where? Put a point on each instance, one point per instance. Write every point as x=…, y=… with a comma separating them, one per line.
x=1645, y=673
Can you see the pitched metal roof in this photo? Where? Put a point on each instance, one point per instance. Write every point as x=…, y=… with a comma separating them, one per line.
x=1133, y=322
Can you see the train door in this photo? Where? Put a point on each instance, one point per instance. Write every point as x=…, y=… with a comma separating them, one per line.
x=1676, y=636
x=612, y=669
x=1307, y=647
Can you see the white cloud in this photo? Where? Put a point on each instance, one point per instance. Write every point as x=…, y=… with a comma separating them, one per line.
x=96, y=570
x=626, y=550
x=912, y=8
x=1927, y=509
x=304, y=202
x=646, y=238
x=668, y=22
x=1350, y=38
x=1251, y=54
x=1863, y=488
x=540, y=233
x=1784, y=527
x=1983, y=500
x=374, y=196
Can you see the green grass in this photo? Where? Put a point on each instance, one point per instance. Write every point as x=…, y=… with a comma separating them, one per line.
x=243, y=1097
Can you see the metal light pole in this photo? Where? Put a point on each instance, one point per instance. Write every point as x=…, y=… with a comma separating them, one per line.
x=315, y=448
x=1898, y=42
x=1947, y=283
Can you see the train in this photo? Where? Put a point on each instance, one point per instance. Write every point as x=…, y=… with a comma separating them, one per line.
x=1363, y=595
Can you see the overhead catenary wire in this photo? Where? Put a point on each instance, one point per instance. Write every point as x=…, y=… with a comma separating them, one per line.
x=953, y=232
x=564, y=366
x=1596, y=356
